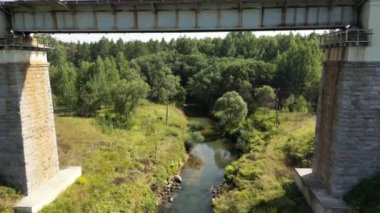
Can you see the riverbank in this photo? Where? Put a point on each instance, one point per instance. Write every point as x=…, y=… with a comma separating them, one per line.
x=262, y=179
x=123, y=167
x=203, y=171
x=120, y=167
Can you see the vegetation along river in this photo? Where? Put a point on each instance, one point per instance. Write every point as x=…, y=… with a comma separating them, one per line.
x=203, y=170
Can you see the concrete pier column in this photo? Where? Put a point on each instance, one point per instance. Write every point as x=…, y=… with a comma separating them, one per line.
x=28, y=147
x=347, y=144
x=348, y=127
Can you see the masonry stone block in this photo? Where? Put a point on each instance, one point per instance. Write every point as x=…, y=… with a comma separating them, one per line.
x=28, y=148
x=348, y=124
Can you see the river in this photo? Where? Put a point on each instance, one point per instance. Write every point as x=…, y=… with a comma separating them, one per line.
x=204, y=169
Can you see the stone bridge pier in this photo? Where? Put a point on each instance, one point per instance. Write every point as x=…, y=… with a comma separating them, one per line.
x=347, y=143
x=28, y=146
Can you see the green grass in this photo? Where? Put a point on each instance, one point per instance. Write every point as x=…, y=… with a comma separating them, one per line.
x=364, y=197
x=8, y=198
x=263, y=182
x=119, y=166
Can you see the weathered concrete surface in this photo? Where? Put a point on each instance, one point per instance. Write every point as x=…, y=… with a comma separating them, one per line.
x=23, y=57
x=348, y=121
x=369, y=19
x=4, y=23
x=47, y=192
x=316, y=193
x=347, y=146
x=28, y=148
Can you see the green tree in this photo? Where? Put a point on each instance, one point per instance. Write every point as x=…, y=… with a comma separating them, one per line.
x=89, y=98
x=300, y=104
x=206, y=46
x=265, y=97
x=185, y=66
x=186, y=46
x=228, y=48
x=100, y=82
x=299, y=70
x=112, y=73
x=118, y=47
x=296, y=104
x=102, y=48
x=83, y=53
x=135, y=49
x=63, y=80
x=127, y=95
x=230, y=109
x=165, y=87
x=227, y=74
x=127, y=70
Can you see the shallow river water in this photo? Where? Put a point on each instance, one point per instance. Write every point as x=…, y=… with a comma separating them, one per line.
x=204, y=169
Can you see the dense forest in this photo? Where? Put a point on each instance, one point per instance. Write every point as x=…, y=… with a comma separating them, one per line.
x=280, y=72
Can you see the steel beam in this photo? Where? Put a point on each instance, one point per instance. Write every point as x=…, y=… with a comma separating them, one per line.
x=150, y=16
x=4, y=20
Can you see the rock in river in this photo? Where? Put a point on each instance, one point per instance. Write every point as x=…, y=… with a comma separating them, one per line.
x=171, y=199
x=177, y=178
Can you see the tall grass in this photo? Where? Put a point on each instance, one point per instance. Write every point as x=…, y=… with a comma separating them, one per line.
x=262, y=180
x=119, y=166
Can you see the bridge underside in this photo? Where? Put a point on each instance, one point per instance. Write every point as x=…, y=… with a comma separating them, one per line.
x=172, y=16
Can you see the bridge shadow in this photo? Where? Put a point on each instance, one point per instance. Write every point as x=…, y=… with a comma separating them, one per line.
x=12, y=83
x=291, y=201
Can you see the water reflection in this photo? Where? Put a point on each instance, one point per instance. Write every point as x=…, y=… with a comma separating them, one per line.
x=194, y=162
x=204, y=169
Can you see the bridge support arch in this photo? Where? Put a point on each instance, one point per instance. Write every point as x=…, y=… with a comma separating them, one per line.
x=347, y=144
x=28, y=146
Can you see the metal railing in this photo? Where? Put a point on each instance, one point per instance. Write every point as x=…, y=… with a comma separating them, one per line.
x=13, y=41
x=350, y=37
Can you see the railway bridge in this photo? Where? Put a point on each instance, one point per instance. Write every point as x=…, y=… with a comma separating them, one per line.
x=347, y=144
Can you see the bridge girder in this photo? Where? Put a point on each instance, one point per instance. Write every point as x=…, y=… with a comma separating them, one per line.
x=182, y=16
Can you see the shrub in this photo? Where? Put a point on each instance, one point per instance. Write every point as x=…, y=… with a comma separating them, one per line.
x=193, y=138
x=196, y=126
x=256, y=129
x=8, y=197
x=266, y=121
x=365, y=197
x=265, y=97
x=299, y=150
x=296, y=104
x=230, y=172
x=114, y=120
x=300, y=104
x=82, y=180
x=249, y=139
x=126, y=96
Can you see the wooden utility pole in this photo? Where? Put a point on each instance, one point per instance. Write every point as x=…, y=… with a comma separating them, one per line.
x=167, y=113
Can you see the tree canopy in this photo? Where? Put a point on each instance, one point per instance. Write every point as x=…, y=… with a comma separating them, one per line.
x=230, y=109
x=88, y=77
